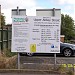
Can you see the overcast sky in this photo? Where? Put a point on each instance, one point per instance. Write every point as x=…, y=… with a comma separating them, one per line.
x=66, y=6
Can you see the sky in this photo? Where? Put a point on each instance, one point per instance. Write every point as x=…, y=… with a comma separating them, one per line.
x=66, y=6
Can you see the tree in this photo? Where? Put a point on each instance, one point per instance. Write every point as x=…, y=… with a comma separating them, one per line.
x=2, y=19
x=67, y=27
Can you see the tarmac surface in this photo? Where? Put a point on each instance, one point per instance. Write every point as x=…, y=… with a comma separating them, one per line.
x=43, y=62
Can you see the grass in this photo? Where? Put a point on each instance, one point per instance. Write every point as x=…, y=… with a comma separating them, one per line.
x=7, y=62
x=8, y=59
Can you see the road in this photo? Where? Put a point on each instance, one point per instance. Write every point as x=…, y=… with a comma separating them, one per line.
x=43, y=62
x=48, y=60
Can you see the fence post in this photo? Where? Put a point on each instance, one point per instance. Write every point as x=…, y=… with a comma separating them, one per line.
x=7, y=38
x=2, y=40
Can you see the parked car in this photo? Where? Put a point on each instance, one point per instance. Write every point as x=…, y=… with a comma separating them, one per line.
x=65, y=48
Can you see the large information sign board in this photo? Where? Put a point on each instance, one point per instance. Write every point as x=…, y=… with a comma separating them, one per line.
x=36, y=34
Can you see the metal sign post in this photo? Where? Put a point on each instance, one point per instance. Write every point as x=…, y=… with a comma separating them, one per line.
x=18, y=61
x=55, y=53
x=18, y=53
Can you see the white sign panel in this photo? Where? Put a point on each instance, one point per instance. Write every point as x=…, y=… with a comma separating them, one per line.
x=36, y=34
x=48, y=12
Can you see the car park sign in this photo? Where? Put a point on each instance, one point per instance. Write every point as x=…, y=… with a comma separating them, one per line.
x=36, y=34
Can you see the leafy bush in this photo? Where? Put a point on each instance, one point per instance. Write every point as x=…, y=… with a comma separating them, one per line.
x=8, y=53
x=70, y=72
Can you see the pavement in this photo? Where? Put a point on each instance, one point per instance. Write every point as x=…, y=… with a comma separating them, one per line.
x=25, y=74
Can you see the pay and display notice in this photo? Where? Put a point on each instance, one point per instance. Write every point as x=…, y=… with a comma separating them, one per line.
x=36, y=34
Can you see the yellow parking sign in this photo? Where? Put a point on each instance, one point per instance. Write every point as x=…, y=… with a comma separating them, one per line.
x=32, y=47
